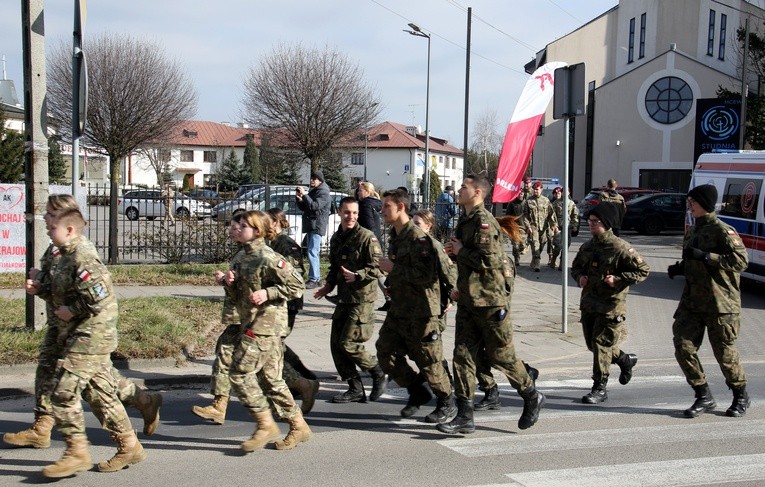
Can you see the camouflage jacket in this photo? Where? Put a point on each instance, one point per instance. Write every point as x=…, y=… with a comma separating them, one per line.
x=538, y=213
x=573, y=213
x=290, y=250
x=414, y=280
x=713, y=286
x=598, y=257
x=358, y=250
x=229, y=315
x=82, y=282
x=262, y=268
x=485, y=274
x=48, y=263
x=447, y=273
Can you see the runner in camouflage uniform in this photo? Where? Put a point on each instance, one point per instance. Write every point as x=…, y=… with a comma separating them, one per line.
x=413, y=325
x=539, y=219
x=483, y=309
x=604, y=268
x=83, y=299
x=264, y=281
x=713, y=258
x=554, y=249
x=354, y=268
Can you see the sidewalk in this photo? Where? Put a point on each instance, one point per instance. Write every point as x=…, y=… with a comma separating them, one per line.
x=536, y=315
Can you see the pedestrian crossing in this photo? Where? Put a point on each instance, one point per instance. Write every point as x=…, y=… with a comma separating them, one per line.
x=708, y=447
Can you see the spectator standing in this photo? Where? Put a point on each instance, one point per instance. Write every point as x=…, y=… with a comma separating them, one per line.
x=445, y=212
x=713, y=258
x=611, y=196
x=539, y=218
x=315, y=206
x=168, y=195
x=554, y=249
x=370, y=208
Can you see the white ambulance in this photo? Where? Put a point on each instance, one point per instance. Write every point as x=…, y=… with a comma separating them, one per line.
x=739, y=178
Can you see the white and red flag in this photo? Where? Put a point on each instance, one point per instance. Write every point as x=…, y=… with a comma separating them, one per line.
x=522, y=132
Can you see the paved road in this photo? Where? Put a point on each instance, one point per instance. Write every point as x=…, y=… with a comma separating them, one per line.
x=637, y=438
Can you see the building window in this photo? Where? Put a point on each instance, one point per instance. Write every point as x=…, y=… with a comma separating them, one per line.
x=187, y=156
x=668, y=100
x=723, y=31
x=641, y=53
x=357, y=159
x=631, y=50
x=711, y=34
x=210, y=156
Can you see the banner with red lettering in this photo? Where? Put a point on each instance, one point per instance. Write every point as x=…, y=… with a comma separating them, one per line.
x=522, y=132
x=13, y=249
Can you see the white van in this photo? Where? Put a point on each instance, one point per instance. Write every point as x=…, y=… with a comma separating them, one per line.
x=739, y=177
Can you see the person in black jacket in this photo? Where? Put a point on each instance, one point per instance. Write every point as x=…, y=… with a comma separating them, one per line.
x=370, y=207
x=315, y=206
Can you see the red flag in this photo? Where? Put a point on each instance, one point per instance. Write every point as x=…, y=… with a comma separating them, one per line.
x=522, y=132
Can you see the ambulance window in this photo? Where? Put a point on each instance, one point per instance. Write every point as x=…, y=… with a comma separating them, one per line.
x=741, y=198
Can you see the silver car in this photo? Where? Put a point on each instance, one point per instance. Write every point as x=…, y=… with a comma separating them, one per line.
x=150, y=204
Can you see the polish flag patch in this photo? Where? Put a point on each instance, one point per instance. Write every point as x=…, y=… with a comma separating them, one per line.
x=280, y=264
x=56, y=251
x=731, y=231
x=84, y=275
x=484, y=226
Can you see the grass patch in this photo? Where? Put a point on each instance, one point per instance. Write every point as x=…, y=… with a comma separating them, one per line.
x=156, y=327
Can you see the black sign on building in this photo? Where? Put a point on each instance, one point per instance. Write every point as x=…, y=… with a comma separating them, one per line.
x=718, y=124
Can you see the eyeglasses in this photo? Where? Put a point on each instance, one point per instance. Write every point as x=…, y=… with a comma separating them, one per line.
x=593, y=221
x=691, y=201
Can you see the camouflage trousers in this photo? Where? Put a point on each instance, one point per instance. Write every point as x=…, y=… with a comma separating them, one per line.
x=89, y=376
x=722, y=329
x=256, y=375
x=220, y=383
x=352, y=326
x=488, y=331
x=45, y=376
x=538, y=239
x=554, y=249
x=421, y=340
x=602, y=335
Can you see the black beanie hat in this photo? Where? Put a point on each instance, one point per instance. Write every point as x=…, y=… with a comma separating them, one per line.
x=705, y=195
x=606, y=213
x=317, y=174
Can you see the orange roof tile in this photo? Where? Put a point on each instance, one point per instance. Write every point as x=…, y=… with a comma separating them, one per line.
x=391, y=135
x=211, y=134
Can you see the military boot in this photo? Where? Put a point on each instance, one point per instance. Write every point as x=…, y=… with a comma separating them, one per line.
x=535, y=263
x=297, y=364
x=463, y=422
x=148, y=405
x=307, y=389
x=215, y=412
x=129, y=452
x=598, y=393
x=76, y=458
x=704, y=401
x=266, y=432
x=625, y=361
x=490, y=400
x=551, y=264
x=299, y=433
x=533, y=373
x=379, y=382
x=36, y=436
x=533, y=401
x=446, y=410
x=355, y=392
x=740, y=404
x=418, y=396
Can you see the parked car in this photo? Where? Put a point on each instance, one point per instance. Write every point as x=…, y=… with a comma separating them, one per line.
x=149, y=203
x=650, y=214
x=593, y=197
x=283, y=197
x=206, y=195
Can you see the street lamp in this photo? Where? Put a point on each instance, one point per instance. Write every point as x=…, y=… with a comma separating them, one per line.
x=366, y=138
x=416, y=31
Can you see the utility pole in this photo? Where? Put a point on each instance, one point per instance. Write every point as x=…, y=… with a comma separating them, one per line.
x=35, y=145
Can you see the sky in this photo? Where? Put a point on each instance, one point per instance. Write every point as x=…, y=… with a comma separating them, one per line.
x=217, y=42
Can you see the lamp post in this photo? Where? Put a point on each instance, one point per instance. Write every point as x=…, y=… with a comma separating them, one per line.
x=416, y=31
x=366, y=139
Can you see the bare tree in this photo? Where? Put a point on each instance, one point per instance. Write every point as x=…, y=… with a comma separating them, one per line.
x=158, y=158
x=487, y=142
x=314, y=97
x=135, y=95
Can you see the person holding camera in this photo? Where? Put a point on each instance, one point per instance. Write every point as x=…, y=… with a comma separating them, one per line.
x=315, y=205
